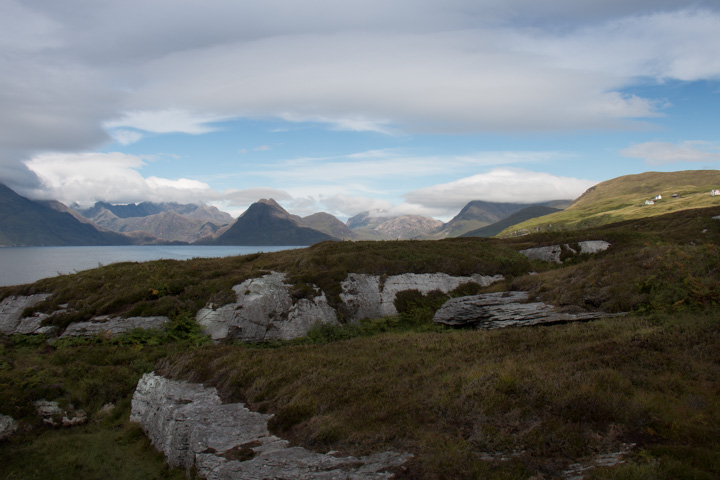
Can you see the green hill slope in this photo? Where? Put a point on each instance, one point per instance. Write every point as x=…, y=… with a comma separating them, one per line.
x=624, y=198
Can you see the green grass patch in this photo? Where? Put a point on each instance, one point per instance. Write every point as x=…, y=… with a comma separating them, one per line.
x=550, y=393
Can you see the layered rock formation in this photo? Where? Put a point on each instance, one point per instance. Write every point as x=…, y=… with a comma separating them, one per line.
x=12, y=322
x=505, y=309
x=191, y=426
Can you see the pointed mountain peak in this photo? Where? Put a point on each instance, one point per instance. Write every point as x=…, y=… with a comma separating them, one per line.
x=269, y=201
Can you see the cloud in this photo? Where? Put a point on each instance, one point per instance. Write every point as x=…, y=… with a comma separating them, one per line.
x=262, y=148
x=170, y=120
x=126, y=137
x=499, y=185
x=72, y=77
x=662, y=153
x=86, y=178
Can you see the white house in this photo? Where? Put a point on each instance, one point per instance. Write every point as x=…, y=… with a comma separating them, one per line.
x=715, y=193
x=649, y=202
x=659, y=197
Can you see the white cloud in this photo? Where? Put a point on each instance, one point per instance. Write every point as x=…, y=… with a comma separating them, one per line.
x=126, y=137
x=500, y=185
x=170, y=120
x=662, y=153
x=86, y=178
x=263, y=148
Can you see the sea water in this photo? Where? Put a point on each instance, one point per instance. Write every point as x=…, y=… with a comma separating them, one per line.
x=19, y=265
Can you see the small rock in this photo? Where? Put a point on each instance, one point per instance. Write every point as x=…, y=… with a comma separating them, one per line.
x=7, y=426
x=55, y=416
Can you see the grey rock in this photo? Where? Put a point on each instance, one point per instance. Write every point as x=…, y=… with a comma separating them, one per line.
x=7, y=426
x=546, y=254
x=53, y=415
x=594, y=246
x=371, y=296
x=110, y=326
x=552, y=253
x=505, y=309
x=264, y=310
x=191, y=426
x=11, y=310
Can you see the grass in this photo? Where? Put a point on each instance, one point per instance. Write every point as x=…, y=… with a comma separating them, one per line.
x=549, y=394
x=624, y=198
x=173, y=288
x=86, y=374
x=519, y=403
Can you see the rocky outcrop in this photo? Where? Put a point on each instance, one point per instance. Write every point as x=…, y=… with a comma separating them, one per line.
x=11, y=310
x=7, y=426
x=110, y=326
x=191, y=426
x=12, y=322
x=55, y=416
x=265, y=310
x=505, y=309
x=553, y=253
x=372, y=296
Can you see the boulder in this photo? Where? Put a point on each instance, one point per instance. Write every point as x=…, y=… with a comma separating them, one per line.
x=110, y=326
x=11, y=309
x=372, y=296
x=191, y=426
x=7, y=426
x=504, y=309
x=265, y=310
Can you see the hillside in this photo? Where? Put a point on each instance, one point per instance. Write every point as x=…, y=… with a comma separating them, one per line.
x=509, y=403
x=624, y=198
x=478, y=214
x=267, y=223
x=330, y=225
x=25, y=222
x=517, y=217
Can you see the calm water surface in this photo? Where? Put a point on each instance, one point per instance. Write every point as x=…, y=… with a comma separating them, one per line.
x=20, y=265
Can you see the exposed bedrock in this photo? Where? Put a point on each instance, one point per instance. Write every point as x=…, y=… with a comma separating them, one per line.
x=553, y=253
x=264, y=310
x=191, y=426
x=372, y=296
x=11, y=310
x=504, y=309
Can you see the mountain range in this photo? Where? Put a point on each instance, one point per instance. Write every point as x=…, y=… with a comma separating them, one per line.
x=28, y=222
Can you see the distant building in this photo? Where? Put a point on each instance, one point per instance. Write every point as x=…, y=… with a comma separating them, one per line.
x=675, y=195
x=714, y=193
x=659, y=197
x=649, y=202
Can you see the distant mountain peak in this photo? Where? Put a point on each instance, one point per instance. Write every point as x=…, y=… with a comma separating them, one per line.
x=265, y=222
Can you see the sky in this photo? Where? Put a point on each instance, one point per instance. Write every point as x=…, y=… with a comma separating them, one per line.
x=344, y=106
